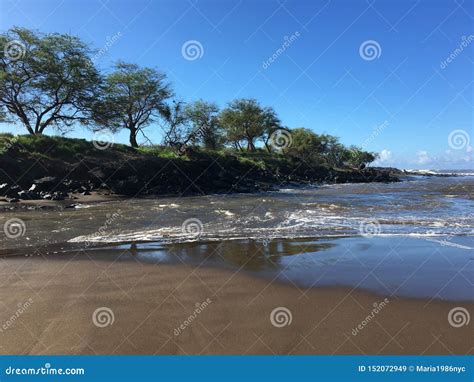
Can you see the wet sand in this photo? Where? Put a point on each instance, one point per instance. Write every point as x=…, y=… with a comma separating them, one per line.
x=74, y=199
x=54, y=299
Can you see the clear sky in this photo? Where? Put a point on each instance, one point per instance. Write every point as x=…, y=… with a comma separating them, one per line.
x=399, y=97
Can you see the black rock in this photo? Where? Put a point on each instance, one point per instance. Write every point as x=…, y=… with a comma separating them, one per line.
x=46, y=180
x=129, y=186
x=72, y=184
x=34, y=195
x=11, y=192
x=59, y=195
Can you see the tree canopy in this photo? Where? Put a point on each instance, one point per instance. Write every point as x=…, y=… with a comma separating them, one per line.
x=46, y=80
x=245, y=121
x=51, y=80
x=205, y=127
x=131, y=98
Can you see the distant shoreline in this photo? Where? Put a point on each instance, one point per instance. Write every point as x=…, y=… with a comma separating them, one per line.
x=77, y=199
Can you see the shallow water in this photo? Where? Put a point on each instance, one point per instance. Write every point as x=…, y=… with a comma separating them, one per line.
x=389, y=266
x=423, y=207
x=413, y=238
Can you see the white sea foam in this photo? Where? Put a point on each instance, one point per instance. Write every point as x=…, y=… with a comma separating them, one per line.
x=224, y=212
x=171, y=205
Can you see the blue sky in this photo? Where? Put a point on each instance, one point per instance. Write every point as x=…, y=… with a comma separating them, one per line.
x=406, y=102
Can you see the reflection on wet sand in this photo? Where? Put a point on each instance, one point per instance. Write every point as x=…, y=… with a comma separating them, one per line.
x=388, y=266
x=149, y=301
x=249, y=255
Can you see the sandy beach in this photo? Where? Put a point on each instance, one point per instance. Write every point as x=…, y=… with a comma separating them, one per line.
x=48, y=306
x=236, y=190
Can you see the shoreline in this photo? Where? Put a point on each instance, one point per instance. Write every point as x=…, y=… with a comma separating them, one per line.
x=306, y=263
x=74, y=199
x=53, y=168
x=148, y=303
x=265, y=278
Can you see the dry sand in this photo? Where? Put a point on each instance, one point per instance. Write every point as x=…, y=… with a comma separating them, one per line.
x=150, y=301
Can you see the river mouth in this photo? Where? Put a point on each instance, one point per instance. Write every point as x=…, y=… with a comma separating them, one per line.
x=411, y=239
x=423, y=207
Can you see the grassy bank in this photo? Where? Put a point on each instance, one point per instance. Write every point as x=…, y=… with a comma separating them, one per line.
x=76, y=165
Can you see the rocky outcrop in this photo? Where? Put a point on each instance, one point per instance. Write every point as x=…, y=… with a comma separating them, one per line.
x=24, y=176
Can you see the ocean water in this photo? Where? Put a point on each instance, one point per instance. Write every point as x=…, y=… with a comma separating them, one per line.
x=413, y=238
x=424, y=206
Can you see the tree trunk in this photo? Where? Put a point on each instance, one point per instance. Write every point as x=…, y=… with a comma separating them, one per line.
x=133, y=138
x=267, y=146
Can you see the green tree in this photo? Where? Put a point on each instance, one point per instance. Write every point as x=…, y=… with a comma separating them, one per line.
x=271, y=123
x=132, y=98
x=306, y=145
x=333, y=152
x=46, y=80
x=244, y=121
x=205, y=127
x=176, y=121
x=356, y=157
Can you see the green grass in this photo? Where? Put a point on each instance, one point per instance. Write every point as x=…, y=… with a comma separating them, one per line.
x=160, y=151
x=69, y=149
x=260, y=159
x=55, y=147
